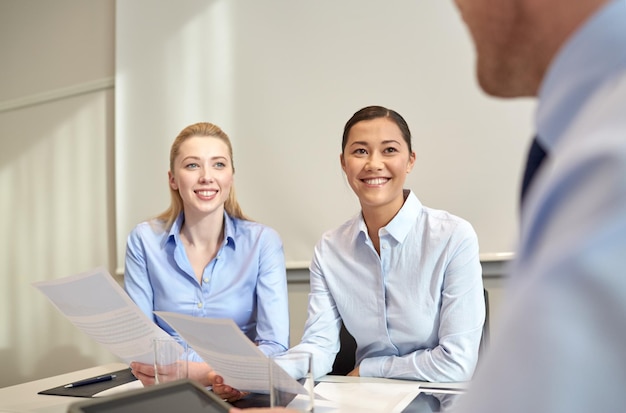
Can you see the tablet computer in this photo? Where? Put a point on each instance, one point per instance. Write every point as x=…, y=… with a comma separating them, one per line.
x=178, y=396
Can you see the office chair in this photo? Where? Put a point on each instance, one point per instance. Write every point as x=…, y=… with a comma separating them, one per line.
x=346, y=357
x=484, y=340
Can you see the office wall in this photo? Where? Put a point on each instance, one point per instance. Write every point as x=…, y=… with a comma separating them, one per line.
x=57, y=209
x=282, y=78
x=56, y=176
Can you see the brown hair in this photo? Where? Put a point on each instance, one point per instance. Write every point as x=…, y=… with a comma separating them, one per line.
x=374, y=112
x=176, y=206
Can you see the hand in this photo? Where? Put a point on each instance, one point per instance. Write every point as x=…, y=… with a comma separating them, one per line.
x=143, y=372
x=355, y=372
x=224, y=391
x=198, y=371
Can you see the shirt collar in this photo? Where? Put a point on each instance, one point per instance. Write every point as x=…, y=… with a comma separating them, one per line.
x=229, y=230
x=174, y=234
x=591, y=55
x=401, y=224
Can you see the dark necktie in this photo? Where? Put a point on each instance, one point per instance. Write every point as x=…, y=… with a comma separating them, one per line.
x=536, y=155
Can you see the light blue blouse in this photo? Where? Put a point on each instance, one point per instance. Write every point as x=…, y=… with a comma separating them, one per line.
x=416, y=311
x=245, y=282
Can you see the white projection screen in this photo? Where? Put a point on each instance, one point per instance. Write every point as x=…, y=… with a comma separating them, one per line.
x=282, y=77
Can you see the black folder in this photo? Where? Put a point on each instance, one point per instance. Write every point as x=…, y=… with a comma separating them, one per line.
x=122, y=377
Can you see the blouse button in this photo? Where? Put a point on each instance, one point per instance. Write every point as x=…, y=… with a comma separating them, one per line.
x=199, y=305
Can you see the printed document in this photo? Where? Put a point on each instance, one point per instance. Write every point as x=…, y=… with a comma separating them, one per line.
x=97, y=305
x=222, y=344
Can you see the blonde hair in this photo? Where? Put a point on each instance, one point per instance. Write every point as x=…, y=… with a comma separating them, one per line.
x=176, y=206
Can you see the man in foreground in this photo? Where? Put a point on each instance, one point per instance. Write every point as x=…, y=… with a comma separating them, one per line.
x=561, y=345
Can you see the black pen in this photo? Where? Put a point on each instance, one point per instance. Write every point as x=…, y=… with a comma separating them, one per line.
x=91, y=381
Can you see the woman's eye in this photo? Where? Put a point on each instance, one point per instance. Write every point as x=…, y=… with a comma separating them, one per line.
x=359, y=151
x=191, y=165
x=220, y=165
x=390, y=150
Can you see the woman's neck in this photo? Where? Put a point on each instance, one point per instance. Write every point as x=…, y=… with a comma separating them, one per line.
x=202, y=237
x=377, y=217
x=205, y=230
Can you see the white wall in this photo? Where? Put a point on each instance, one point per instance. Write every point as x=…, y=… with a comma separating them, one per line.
x=282, y=77
x=56, y=177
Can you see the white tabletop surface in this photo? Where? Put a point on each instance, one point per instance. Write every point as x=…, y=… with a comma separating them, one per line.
x=22, y=398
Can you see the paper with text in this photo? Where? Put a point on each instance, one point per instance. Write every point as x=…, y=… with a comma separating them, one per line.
x=229, y=352
x=96, y=304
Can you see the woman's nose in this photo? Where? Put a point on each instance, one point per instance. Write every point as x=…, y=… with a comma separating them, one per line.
x=205, y=176
x=374, y=162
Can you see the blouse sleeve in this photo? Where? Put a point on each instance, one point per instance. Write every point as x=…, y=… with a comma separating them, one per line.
x=272, y=296
x=136, y=280
x=321, y=332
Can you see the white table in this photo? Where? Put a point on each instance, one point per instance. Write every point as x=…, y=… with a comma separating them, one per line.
x=22, y=398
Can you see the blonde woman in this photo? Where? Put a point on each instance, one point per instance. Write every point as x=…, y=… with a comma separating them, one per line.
x=203, y=257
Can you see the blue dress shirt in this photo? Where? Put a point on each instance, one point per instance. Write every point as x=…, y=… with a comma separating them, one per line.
x=416, y=311
x=593, y=54
x=562, y=335
x=245, y=282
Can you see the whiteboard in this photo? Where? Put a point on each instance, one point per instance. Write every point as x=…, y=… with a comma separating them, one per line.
x=282, y=77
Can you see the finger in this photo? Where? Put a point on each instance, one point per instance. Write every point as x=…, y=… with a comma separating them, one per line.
x=142, y=368
x=233, y=397
x=222, y=388
x=146, y=379
x=223, y=391
x=238, y=395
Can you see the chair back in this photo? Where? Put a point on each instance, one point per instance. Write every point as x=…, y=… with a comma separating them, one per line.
x=346, y=357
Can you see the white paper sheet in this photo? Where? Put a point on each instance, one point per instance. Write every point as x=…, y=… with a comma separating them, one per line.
x=365, y=397
x=96, y=304
x=133, y=385
x=229, y=352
